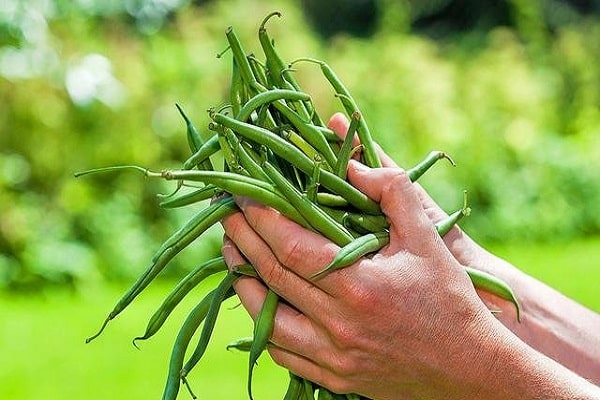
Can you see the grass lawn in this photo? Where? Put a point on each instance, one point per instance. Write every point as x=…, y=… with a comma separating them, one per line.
x=44, y=355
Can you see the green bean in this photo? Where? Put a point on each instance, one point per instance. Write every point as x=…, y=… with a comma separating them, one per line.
x=187, y=330
x=220, y=295
x=496, y=286
x=192, y=197
x=351, y=252
x=346, y=150
x=195, y=141
x=318, y=220
x=245, y=270
x=215, y=212
x=294, y=388
x=229, y=156
x=241, y=344
x=263, y=329
x=444, y=226
x=364, y=134
x=303, y=146
x=418, y=170
x=236, y=89
x=203, y=218
x=241, y=185
x=369, y=223
x=325, y=394
x=266, y=98
x=310, y=134
x=242, y=61
x=210, y=147
x=309, y=390
x=280, y=147
x=331, y=200
x=247, y=162
x=313, y=186
x=187, y=283
x=279, y=71
x=258, y=70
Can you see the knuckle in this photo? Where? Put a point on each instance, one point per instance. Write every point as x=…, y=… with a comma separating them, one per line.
x=291, y=252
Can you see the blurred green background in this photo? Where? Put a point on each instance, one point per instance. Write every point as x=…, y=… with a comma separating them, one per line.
x=511, y=89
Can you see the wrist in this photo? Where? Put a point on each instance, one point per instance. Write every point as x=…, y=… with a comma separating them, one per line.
x=512, y=369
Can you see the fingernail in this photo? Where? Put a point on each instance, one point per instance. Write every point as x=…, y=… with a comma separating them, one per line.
x=242, y=202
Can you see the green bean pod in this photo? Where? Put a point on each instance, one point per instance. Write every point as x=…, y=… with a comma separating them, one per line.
x=418, y=170
x=370, y=153
x=192, y=197
x=268, y=97
x=242, y=62
x=351, y=252
x=294, y=388
x=263, y=329
x=310, y=134
x=494, y=285
x=241, y=185
x=195, y=141
x=317, y=218
x=444, y=226
x=202, y=220
x=183, y=287
x=284, y=150
x=186, y=332
x=220, y=295
x=210, y=147
x=341, y=168
x=241, y=344
x=215, y=212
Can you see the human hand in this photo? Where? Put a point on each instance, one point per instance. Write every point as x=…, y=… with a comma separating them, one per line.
x=408, y=316
x=466, y=251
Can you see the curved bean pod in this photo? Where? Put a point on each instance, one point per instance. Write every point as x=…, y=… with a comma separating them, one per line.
x=351, y=252
x=494, y=285
x=214, y=213
x=187, y=283
x=266, y=98
x=418, y=170
x=263, y=329
x=187, y=330
x=221, y=293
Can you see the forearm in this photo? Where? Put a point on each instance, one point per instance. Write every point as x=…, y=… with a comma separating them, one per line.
x=521, y=372
x=551, y=323
x=557, y=327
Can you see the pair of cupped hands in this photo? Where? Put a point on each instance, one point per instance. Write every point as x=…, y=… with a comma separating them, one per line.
x=404, y=323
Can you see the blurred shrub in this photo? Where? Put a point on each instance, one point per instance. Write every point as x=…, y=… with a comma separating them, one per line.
x=87, y=84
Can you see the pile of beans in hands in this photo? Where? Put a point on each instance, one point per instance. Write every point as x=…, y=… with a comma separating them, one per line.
x=277, y=151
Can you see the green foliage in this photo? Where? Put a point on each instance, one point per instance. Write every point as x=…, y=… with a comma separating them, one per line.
x=90, y=86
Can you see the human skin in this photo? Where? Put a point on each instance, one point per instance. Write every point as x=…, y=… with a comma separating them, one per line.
x=406, y=323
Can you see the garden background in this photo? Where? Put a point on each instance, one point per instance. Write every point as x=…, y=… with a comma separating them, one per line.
x=510, y=89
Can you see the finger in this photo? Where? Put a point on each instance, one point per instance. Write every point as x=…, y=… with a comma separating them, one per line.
x=398, y=199
x=298, y=249
x=309, y=369
x=339, y=124
x=292, y=329
x=303, y=294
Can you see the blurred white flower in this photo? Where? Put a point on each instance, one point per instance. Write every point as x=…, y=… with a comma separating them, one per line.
x=90, y=79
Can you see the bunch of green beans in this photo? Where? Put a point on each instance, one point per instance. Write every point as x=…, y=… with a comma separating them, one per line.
x=276, y=150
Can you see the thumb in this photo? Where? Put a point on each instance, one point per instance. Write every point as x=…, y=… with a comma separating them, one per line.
x=398, y=199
